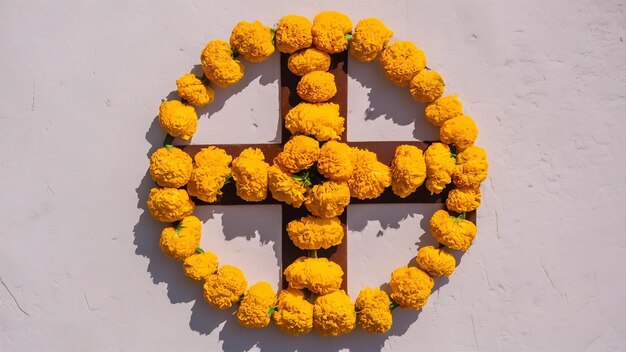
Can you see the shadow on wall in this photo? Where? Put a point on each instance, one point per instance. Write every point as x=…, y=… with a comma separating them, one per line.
x=390, y=101
x=205, y=318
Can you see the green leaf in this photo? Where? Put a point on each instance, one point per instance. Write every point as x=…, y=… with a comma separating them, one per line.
x=348, y=37
x=271, y=311
x=199, y=250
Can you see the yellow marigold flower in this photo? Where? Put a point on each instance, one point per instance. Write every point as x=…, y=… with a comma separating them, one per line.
x=435, y=261
x=252, y=40
x=334, y=314
x=206, y=182
x=193, y=91
x=299, y=153
x=169, y=204
x=370, y=177
x=317, y=87
x=311, y=233
x=335, y=161
x=454, y=233
x=443, y=109
x=328, y=199
x=181, y=242
x=170, y=167
x=329, y=31
x=471, y=167
x=178, y=119
x=319, y=275
x=374, y=311
x=250, y=174
x=212, y=156
x=308, y=60
x=224, y=288
x=401, y=62
x=460, y=131
x=254, y=311
x=284, y=188
x=294, y=314
x=293, y=33
x=463, y=200
x=427, y=86
x=369, y=38
x=408, y=170
x=322, y=121
x=439, y=167
x=200, y=266
x=218, y=64
x=410, y=287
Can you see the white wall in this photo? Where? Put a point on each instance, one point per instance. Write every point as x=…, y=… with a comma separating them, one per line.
x=80, y=84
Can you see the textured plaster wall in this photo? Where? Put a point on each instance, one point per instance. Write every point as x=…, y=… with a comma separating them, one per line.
x=79, y=90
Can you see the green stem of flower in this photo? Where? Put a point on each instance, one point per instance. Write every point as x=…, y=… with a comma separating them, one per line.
x=393, y=305
x=199, y=250
x=312, y=254
x=169, y=139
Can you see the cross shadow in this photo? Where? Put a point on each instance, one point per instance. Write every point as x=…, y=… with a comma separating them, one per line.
x=390, y=101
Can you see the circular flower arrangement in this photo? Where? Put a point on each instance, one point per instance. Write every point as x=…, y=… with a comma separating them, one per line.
x=318, y=171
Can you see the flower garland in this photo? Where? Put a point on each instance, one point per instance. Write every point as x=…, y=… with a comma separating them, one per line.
x=314, y=169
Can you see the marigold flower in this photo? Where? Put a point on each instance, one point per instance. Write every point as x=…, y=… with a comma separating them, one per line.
x=317, y=87
x=212, y=156
x=329, y=31
x=464, y=199
x=460, y=131
x=311, y=233
x=206, y=182
x=308, y=60
x=370, y=177
x=439, y=167
x=410, y=287
x=181, y=242
x=369, y=38
x=254, y=311
x=294, y=314
x=402, y=61
x=427, y=86
x=218, y=64
x=335, y=161
x=200, y=266
x=328, y=199
x=435, y=261
x=284, y=188
x=322, y=121
x=250, y=174
x=299, y=153
x=443, y=109
x=224, y=288
x=193, y=91
x=452, y=232
x=471, y=167
x=178, y=119
x=334, y=314
x=293, y=33
x=319, y=275
x=374, y=311
x=252, y=40
x=169, y=204
x=170, y=167
x=408, y=170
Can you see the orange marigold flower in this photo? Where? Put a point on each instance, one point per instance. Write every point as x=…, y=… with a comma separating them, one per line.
x=218, y=64
x=439, y=167
x=452, y=232
x=225, y=288
x=463, y=200
x=250, y=173
x=402, y=61
x=369, y=38
x=370, y=177
x=321, y=121
x=335, y=161
x=178, y=119
x=427, y=86
x=181, y=241
x=435, y=261
x=373, y=306
x=293, y=33
x=294, y=314
x=328, y=199
x=329, y=31
x=317, y=87
x=170, y=167
x=200, y=266
x=169, y=204
x=410, y=287
x=308, y=60
x=299, y=153
x=252, y=40
x=284, y=188
x=408, y=170
x=319, y=275
x=334, y=314
x=460, y=131
x=194, y=91
x=471, y=167
x=312, y=233
x=254, y=311
x=443, y=109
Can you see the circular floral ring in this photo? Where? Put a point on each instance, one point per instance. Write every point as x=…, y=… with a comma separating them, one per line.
x=316, y=170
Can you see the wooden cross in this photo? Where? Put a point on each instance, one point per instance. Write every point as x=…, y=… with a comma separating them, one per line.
x=384, y=149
